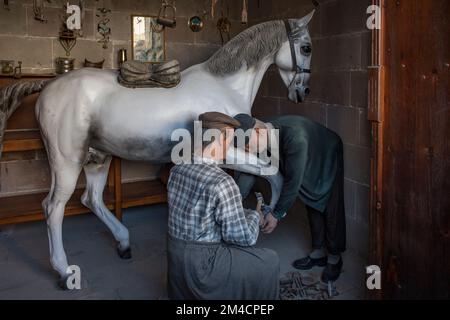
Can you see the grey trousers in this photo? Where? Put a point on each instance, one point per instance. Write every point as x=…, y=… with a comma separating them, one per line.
x=218, y=271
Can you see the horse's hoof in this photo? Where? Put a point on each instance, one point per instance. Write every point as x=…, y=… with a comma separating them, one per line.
x=124, y=253
x=62, y=283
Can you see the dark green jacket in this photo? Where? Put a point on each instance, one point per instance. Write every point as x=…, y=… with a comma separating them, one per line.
x=310, y=156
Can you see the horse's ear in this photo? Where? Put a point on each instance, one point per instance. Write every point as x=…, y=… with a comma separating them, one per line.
x=303, y=22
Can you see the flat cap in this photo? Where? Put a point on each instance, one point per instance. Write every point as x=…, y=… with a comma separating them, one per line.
x=217, y=120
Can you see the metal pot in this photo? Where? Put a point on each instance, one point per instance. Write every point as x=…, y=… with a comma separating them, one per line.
x=64, y=65
x=7, y=66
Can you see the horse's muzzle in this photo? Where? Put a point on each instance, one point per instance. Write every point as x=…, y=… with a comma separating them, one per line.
x=299, y=94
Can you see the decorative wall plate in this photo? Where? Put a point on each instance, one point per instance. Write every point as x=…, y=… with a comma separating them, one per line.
x=195, y=24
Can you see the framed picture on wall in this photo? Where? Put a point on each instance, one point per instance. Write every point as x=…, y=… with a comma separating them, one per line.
x=146, y=44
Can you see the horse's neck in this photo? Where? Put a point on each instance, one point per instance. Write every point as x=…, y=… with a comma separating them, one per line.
x=242, y=85
x=247, y=81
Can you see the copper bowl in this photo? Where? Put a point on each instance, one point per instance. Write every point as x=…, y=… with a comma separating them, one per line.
x=90, y=64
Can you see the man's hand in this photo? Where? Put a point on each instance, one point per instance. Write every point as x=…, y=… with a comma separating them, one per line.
x=270, y=223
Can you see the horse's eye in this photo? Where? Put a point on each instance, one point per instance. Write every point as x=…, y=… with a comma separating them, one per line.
x=306, y=50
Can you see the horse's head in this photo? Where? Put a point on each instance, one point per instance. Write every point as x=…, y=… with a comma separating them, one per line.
x=294, y=58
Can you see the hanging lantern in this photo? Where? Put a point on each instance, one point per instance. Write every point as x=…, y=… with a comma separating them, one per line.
x=67, y=39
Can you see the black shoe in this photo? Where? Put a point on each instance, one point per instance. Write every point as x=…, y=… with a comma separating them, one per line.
x=308, y=263
x=332, y=271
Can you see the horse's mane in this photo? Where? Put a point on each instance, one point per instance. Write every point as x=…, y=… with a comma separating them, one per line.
x=249, y=47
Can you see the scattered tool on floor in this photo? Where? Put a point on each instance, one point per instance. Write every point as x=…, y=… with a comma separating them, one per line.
x=297, y=286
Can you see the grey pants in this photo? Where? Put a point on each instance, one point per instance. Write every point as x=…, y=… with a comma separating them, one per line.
x=218, y=271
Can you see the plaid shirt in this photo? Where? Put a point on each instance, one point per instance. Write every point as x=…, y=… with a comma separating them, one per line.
x=205, y=205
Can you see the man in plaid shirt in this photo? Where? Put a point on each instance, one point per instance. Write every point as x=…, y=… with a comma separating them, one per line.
x=210, y=253
x=206, y=206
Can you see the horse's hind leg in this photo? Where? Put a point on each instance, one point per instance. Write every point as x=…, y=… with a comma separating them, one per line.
x=96, y=171
x=64, y=178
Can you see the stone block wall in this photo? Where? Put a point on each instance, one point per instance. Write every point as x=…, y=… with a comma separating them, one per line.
x=36, y=45
x=341, y=54
x=339, y=80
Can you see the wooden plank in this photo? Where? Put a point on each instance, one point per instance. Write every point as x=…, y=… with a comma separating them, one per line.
x=25, y=208
x=110, y=183
x=416, y=151
x=23, y=145
x=377, y=104
x=29, y=76
x=29, y=134
x=28, y=207
x=376, y=94
x=24, y=117
x=143, y=193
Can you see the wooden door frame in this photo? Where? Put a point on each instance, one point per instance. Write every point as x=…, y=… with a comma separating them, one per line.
x=375, y=114
x=408, y=109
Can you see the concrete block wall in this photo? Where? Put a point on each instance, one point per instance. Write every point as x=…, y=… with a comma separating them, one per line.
x=36, y=45
x=341, y=54
x=339, y=80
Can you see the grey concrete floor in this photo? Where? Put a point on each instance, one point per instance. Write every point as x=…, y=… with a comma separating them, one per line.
x=25, y=271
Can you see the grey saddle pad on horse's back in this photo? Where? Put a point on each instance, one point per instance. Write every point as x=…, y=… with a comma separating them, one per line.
x=137, y=74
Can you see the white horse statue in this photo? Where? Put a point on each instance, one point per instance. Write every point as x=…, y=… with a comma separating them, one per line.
x=85, y=116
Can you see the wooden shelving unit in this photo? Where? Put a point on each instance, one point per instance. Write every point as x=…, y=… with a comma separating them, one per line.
x=26, y=208
x=22, y=134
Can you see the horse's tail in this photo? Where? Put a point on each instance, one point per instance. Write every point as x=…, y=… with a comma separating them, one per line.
x=10, y=99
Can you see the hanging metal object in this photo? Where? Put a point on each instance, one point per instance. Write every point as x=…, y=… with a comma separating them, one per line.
x=224, y=27
x=164, y=20
x=122, y=56
x=195, y=24
x=68, y=40
x=6, y=5
x=244, y=18
x=102, y=26
x=38, y=10
x=213, y=5
x=18, y=70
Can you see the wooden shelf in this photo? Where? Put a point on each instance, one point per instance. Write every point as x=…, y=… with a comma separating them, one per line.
x=29, y=76
x=22, y=134
x=26, y=208
x=143, y=193
x=22, y=141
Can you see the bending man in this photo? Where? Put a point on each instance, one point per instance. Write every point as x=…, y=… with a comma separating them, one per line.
x=311, y=161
